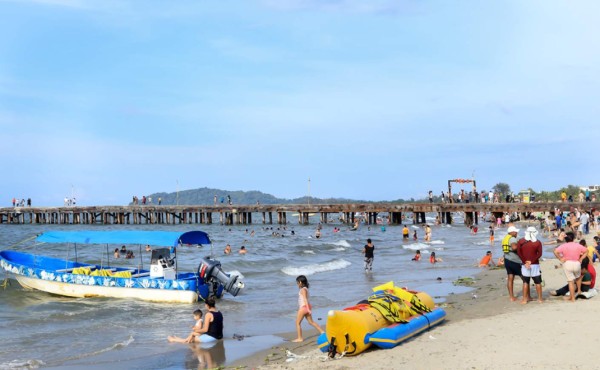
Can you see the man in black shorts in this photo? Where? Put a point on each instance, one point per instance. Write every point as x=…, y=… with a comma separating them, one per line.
x=512, y=261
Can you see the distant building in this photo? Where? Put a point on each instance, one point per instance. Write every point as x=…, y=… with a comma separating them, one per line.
x=590, y=188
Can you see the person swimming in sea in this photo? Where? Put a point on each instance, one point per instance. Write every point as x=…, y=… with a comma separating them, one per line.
x=417, y=256
x=433, y=259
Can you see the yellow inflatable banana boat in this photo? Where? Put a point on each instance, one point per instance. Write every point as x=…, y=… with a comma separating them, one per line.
x=391, y=315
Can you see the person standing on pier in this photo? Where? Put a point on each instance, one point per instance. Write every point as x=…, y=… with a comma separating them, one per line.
x=430, y=196
x=368, y=251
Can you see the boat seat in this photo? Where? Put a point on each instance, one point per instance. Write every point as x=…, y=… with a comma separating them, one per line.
x=92, y=268
x=70, y=269
x=142, y=274
x=66, y=270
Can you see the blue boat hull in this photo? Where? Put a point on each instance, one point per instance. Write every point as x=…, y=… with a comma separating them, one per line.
x=56, y=276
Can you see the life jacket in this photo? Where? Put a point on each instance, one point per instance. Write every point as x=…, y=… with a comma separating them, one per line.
x=506, y=248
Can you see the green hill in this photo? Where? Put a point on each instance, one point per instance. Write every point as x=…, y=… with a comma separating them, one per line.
x=206, y=196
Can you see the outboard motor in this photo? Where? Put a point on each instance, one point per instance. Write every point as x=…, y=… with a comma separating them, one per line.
x=210, y=269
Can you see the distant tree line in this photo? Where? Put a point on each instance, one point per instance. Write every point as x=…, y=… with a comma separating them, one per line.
x=207, y=196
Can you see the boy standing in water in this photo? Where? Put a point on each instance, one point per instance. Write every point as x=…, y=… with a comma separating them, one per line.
x=369, y=255
x=304, y=308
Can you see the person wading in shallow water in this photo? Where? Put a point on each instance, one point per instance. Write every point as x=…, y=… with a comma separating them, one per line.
x=368, y=252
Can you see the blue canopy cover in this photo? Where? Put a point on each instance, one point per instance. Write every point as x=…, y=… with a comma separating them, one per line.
x=156, y=238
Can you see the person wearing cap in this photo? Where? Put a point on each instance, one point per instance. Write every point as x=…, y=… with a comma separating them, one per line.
x=512, y=261
x=529, y=250
x=570, y=254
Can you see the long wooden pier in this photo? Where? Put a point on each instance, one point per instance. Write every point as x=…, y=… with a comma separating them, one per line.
x=269, y=214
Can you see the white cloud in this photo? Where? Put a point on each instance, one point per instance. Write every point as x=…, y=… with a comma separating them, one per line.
x=80, y=4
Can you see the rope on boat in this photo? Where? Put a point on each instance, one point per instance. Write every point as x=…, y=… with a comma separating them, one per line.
x=23, y=241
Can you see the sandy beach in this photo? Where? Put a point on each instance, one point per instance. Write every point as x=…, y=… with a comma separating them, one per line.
x=483, y=330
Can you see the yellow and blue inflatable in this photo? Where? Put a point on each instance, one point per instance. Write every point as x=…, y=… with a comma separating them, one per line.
x=391, y=316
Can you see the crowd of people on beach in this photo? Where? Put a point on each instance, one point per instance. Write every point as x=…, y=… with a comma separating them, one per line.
x=521, y=256
x=474, y=196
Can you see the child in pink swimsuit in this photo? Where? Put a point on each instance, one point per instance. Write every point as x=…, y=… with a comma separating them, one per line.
x=304, y=308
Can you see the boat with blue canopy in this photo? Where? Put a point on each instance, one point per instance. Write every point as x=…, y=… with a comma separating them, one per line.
x=162, y=282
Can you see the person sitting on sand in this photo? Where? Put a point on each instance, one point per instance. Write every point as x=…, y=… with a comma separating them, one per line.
x=196, y=327
x=560, y=237
x=212, y=328
x=487, y=260
x=581, y=286
x=433, y=259
x=597, y=247
x=417, y=256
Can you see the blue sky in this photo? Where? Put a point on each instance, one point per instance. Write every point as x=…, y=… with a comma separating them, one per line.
x=375, y=100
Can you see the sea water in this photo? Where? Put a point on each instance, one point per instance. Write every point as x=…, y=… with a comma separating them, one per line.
x=42, y=330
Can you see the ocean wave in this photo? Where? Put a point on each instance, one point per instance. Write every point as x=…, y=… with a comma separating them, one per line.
x=437, y=242
x=338, y=249
x=341, y=243
x=316, y=268
x=416, y=246
x=117, y=345
x=21, y=365
x=308, y=251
